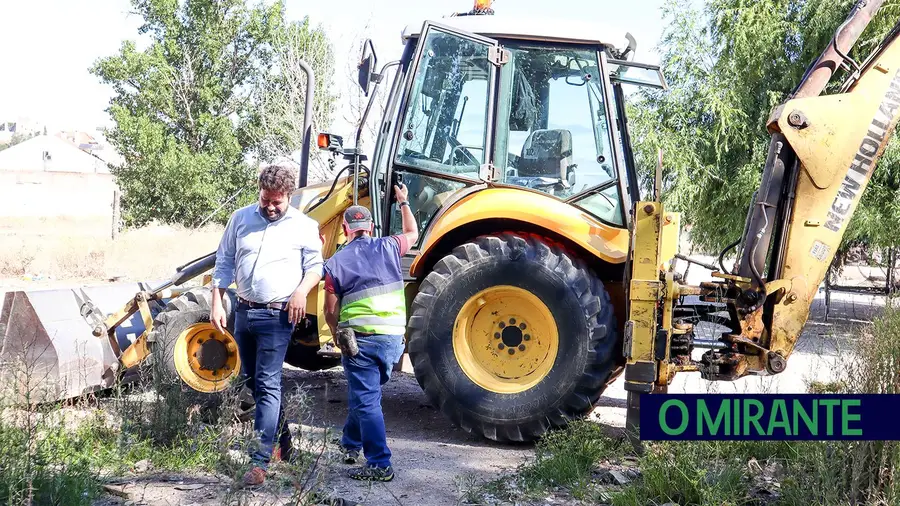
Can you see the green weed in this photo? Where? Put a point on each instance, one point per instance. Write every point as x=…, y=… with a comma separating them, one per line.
x=567, y=458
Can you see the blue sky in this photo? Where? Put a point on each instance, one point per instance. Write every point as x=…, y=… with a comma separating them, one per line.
x=50, y=44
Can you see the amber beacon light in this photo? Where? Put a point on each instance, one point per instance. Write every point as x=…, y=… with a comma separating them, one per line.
x=482, y=7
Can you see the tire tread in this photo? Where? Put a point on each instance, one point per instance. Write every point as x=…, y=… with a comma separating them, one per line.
x=595, y=302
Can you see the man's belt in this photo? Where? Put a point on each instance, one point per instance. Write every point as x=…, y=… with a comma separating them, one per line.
x=280, y=306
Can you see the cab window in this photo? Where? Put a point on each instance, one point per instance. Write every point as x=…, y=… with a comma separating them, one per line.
x=445, y=126
x=553, y=133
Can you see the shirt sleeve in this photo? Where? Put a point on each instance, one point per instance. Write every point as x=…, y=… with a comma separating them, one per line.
x=312, y=251
x=402, y=243
x=223, y=275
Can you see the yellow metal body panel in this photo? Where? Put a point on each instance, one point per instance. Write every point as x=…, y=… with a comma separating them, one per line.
x=838, y=151
x=329, y=214
x=646, y=288
x=671, y=232
x=604, y=241
x=138, y=351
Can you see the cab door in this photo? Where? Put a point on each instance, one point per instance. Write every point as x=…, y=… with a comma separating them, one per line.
x=442, y=140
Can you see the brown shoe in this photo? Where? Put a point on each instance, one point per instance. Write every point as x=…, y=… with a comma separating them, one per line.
x=254, y=477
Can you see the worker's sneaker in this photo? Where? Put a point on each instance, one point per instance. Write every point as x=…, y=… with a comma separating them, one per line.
x=254, y=477
x=372, y=473
x=346, y=341
x=350, y=456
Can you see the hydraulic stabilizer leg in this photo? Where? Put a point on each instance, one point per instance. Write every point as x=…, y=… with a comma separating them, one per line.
x=633, y=422
x=649, y=313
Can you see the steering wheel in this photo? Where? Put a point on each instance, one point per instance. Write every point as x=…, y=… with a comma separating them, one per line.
x=470, y=159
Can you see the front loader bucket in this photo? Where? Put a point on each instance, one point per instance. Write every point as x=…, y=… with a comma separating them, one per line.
x=47, y=349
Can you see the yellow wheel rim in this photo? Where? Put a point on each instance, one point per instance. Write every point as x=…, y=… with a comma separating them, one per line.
x=505, y=339
x=206, y=359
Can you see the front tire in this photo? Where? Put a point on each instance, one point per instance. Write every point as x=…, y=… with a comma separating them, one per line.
x=185, y=345
x=510, y=337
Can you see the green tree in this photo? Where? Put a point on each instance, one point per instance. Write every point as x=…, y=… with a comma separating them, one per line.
x=727, y=65
x=17, y=138
x=184, y=107
x=276, y=126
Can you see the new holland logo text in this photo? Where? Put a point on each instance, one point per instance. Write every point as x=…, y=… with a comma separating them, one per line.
x=862, y=163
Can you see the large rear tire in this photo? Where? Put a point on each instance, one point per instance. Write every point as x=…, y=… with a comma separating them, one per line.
x=510, y=337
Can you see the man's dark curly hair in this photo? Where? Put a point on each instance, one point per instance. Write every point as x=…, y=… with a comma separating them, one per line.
x=278, y=178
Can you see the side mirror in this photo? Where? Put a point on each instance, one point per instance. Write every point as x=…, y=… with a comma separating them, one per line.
x=367, y=66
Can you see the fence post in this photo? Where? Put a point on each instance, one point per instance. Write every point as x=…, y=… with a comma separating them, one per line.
x=892, y=258
x=115, y=215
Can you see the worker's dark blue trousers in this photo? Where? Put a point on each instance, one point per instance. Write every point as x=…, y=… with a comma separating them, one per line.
x=366, y=372
x=263, y=336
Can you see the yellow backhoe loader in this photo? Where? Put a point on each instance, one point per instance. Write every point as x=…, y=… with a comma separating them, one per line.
x=541, y=274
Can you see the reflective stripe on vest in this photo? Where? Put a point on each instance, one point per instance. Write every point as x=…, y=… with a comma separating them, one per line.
x=378, y=310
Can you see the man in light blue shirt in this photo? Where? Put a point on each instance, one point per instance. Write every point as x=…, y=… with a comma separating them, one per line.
x=273, y=252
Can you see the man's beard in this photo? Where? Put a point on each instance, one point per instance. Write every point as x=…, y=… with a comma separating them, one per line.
x=278, y=214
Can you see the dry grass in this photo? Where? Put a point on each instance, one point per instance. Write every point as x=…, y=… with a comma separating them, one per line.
x=148, y=253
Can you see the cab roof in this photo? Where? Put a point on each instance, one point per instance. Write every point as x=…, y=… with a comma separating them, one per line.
x=552, y=30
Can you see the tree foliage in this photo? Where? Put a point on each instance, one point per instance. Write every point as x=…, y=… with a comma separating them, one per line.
x=278, y=119
x=186, y=107
x=728, y=65
x=18, y=138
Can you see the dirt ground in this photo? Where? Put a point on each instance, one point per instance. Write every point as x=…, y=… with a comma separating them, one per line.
x=45, y=257
x=430, y=455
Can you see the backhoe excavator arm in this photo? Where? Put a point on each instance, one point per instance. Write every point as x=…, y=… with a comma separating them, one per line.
x=823, y=154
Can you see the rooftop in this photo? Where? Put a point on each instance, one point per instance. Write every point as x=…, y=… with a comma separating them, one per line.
x=49, y=153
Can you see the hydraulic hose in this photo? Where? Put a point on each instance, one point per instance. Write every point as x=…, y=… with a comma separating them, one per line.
x=334, y=185
x=724, y=252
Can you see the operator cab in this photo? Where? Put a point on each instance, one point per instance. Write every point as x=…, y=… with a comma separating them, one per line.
x=535, y=105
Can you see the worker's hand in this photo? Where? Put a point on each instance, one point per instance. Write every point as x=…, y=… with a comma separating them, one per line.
x=218, y=317
x=401, y=192
x=297, y=307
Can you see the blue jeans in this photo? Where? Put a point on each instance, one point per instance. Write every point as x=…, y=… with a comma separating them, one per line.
x=366, y=372
x=263, y=336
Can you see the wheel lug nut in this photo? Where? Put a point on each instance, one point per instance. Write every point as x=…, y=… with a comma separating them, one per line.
x=501, y=346
x=521, y=347
x=496, y=335
x=522, y=326
x=528, y=337
x=502, y=324
x=512, y=351
x=512, y=321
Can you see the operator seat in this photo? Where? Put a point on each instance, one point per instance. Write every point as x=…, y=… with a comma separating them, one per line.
x=547, y=153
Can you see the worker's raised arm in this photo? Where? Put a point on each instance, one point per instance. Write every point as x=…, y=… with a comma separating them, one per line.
x=410, y=228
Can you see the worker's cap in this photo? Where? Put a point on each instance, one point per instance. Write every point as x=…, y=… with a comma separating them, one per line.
x=358, y=218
